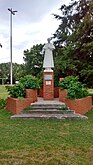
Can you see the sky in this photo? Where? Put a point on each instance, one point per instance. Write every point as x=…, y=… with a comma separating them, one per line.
x=32, y=24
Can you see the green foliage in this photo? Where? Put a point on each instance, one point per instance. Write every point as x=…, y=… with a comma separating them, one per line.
x=46, y=142
x=90, y=91
x=3, y=92
x=40, y=79
x=30, y=82
x=40, y=82
x=33, y=59
x=76, y=19
x=27, y=82
x=87, y=75
x=16, y=91
x=18, y=72
x=76, y=91
x=74, y=40
x=67, y=82
x=2, y=103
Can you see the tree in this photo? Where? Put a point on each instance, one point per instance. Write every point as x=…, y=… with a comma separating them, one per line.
x=74, y=38
x=18, y=71
x=33, y=60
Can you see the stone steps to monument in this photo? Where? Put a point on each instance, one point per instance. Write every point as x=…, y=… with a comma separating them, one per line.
x=47, y=106
x=49, y=116
x=49, y=111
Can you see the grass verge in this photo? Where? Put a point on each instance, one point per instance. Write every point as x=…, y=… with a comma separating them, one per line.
x=3, y=92
x=45, y=142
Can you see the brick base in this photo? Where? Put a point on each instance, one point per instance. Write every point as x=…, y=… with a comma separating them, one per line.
x=56, y=92
x=48, y=88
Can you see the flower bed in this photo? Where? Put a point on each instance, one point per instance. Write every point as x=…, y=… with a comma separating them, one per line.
x=20, y=95
x=75, y=95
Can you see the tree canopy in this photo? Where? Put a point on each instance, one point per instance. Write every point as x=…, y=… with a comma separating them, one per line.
x=33, y=60
x=18, y=72
x=74, y=39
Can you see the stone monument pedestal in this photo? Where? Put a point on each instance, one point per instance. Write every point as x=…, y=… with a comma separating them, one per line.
x=48, y=87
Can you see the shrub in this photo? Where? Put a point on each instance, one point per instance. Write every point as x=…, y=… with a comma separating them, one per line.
x=27, y=82
x=16, y=90
x=30, y=82
x=2, y=103
x=76, y=91
x=67, y=82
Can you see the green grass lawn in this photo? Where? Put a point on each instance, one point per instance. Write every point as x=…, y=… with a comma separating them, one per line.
x=90, y=90
x=3, y=92
x=45, y=142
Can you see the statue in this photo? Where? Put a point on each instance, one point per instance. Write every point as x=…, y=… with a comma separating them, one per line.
x=48, y=56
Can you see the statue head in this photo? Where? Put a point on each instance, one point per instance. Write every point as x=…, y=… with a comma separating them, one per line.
x=49, y=39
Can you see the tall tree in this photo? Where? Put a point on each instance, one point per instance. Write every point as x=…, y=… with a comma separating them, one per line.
x=18, y=71
x=33, y=60
x=74, y=38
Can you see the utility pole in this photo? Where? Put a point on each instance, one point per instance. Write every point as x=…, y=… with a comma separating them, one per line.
x=12, y=12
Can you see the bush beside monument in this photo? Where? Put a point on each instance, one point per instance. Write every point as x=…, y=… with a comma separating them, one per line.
x=77, y=97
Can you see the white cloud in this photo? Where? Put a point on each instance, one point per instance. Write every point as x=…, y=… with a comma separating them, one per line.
x=27, y=34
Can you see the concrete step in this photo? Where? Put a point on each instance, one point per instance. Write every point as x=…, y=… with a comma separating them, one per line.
x=49, y=116
x=47, y=106
x=49, y=111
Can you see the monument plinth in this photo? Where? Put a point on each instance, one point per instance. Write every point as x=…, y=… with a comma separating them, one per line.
x=48, y=87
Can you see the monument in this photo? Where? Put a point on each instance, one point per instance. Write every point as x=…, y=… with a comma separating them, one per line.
x=48, y=65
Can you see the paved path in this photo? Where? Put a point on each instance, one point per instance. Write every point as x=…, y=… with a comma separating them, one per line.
x=42, y=101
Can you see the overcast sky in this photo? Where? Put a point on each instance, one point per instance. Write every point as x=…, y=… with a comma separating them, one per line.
x=32, y=24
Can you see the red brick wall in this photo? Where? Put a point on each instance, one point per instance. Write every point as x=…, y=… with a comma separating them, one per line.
x=30, y=93
x=56, y=92
x=62, y=95
x=15, y=105
x=48, y=90
x=81, y=106
x=41, y=92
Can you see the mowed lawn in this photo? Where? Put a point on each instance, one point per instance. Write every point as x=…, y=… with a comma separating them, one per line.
x=45, y=142
x=3, y=92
